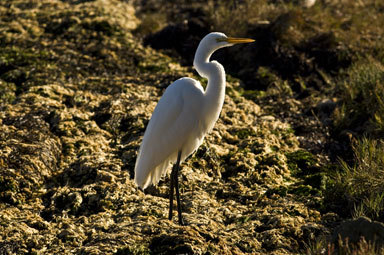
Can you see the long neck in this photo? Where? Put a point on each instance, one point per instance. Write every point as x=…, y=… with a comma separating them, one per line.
x=214, y=72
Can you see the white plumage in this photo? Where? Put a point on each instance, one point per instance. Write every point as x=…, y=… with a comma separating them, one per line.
x=184, y=114
x=175, y=124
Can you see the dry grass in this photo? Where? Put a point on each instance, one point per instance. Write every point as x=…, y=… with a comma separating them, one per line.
x=360, y=186
x=362, y=93
x=343, y=247
x=365, y=179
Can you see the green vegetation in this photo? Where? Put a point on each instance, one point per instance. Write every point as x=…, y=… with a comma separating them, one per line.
x=352, y=187
x=362, y=95
x=360, y=186
x=76, y=73
x=18, y=66
x=312, y=177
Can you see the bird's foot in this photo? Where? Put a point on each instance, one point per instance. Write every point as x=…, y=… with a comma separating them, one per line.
x=182, y=222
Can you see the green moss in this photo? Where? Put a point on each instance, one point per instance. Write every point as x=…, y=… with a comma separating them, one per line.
x=244, y=133
x=303, y=190
x=271, y=159
x=251, y=94
x=19, y=68
x=243, y=219
x=301, y=163
x=102, y=26
x=312, y=178
x=281, y=191
x=318, y=180
x=14, y=56
x=7, y=92
x=265, y=77
x=144, y=68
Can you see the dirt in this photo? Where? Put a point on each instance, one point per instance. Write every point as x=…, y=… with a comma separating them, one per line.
x=78, y=90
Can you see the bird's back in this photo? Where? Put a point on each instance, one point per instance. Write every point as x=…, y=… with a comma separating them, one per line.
x=174, y=125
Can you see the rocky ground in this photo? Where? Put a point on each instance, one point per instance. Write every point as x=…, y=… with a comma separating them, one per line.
x=77, y=90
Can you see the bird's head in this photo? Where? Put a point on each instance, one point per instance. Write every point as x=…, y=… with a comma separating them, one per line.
x=218, y=40
x=209, y=44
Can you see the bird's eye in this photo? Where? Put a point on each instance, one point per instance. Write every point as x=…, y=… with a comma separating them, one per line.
x=223, y=39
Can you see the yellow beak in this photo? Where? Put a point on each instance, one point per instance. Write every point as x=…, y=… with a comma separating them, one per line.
x=233, y=40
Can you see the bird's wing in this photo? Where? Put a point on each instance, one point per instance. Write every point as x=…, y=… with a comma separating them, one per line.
x=166, y=130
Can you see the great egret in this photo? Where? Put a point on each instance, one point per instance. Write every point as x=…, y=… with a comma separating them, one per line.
x=183, y=116
x=308, y=3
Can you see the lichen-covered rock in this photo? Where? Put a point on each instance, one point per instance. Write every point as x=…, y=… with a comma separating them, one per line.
x=81, y=90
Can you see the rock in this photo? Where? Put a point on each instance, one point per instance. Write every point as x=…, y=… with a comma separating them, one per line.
x=326, y=106
x=363, y=227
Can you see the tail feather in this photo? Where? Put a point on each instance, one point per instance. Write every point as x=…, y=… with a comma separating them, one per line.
x=145, y=177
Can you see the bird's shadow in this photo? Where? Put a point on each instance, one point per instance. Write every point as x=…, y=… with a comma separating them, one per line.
x=156, y=191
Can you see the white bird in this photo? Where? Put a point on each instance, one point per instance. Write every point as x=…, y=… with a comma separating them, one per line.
x=183, y=116
x=308, y=3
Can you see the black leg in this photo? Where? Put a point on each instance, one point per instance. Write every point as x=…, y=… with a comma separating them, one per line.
x=171, y=192
x=177, y=189
x=175, y=185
